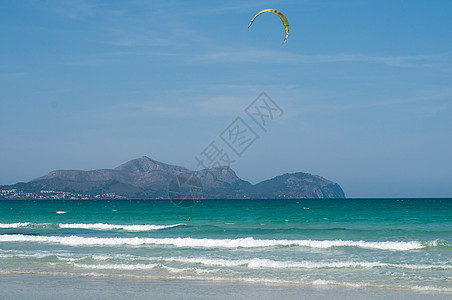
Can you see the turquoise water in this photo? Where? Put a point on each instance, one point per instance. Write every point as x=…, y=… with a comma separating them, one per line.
x=393, y=244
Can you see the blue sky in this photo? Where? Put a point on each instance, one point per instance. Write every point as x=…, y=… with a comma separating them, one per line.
x=365, y=87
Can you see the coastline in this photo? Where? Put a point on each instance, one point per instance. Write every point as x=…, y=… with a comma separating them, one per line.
x=32, y=286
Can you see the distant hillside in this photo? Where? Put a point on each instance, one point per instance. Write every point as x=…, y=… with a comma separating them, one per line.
x=298, y=185
x=147, y=178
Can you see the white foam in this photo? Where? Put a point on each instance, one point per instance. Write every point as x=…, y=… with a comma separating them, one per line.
x=61, y=212
x=101, y=257
x=131, y=267
x=266, y=263
x=431, y=289
x=331, y=282
x=95, y=226
x=14, y=225
x=194, y=274
x=256, y=263
x=37, y=255
x=207, y=261
x=117, y=266
x=209, y=243
x=73, y=258
x=102, y=226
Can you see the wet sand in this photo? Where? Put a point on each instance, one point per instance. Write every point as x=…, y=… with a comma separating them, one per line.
x=77, y=287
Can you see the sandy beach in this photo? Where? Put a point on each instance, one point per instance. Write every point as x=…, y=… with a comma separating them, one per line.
x=78, y=287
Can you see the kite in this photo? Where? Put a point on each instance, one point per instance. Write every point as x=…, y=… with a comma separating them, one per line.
x=279, y=14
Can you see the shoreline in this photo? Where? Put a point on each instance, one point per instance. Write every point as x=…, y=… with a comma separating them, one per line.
x=38, y=286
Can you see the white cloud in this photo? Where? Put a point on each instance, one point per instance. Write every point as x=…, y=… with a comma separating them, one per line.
x=76, y=9
x=284, y=57
x=431, y=101
x=227, y=8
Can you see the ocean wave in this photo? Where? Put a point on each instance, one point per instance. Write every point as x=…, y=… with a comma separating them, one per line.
x=267, y=263
x=176, y=274
x=78, y=258
x=95, y=226
x=102, y=226
x=253, y=263
x=14, y=225
x=130, y=267
x=117, y=266
x=214, y=243
x=256, y=263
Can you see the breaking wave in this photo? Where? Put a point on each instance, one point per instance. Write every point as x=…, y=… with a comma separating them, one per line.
x=95, y=226
x=129, y=267
x=267, y=263
x=102, y=226
x=222, y=243
x=14, y=225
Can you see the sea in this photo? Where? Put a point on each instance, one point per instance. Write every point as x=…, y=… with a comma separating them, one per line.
x=398, y=244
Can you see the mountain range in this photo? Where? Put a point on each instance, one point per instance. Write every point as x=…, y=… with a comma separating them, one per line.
x=146, y=178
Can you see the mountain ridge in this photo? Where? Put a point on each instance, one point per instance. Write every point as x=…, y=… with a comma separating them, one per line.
x=147, y=178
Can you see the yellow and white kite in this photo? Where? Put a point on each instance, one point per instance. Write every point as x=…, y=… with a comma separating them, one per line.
x=279, y=14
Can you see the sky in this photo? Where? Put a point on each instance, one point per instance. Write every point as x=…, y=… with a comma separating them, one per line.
x=365, y=88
